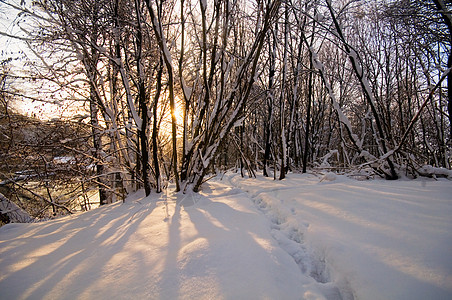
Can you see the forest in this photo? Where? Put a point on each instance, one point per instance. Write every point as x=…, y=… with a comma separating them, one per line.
x=170, y=93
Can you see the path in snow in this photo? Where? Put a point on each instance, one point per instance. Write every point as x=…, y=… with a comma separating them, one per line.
x=300, y=238
x=373, y=239
x=212, y=245
x=289, y=233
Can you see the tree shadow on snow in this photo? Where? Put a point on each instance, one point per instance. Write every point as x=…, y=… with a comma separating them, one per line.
x=68, y=256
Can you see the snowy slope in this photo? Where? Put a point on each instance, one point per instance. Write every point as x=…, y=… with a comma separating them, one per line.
x=375, y=239
x=217, y=248
x=301, y=238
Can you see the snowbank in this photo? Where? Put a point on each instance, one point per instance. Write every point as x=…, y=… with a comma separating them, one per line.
x=302, y=238
x=374, y=239
x=215, y=245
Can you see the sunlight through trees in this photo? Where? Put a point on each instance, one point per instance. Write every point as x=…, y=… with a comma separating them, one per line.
x=170, y=92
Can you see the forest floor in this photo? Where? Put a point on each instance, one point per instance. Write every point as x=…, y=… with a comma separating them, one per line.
x=306, y=237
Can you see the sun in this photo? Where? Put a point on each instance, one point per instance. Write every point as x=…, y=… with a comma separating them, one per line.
x=166, y=117
x=179, y=112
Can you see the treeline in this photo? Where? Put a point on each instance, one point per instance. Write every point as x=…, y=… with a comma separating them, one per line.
x=179, y=89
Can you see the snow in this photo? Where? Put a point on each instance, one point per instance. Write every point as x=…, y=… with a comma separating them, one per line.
x=329, y=176
x=64, y=160
x=130, y=102
x=435, y=171
x=325, y=163
x=12, y=211
x=306, y=237
x=378, y=239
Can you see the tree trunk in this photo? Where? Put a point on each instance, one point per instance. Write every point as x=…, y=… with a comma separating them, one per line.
x=270, y=102
x=359, y=71
x=155, y=129
x=283, y=171
x=447, y=17
x=158, y=30
x=143, y=104
x=246, y=79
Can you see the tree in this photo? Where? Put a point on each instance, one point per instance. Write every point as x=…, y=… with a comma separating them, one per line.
x=297, y=84
x=446, y=14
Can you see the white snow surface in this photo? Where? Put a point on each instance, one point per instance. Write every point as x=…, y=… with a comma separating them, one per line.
x=242, y=238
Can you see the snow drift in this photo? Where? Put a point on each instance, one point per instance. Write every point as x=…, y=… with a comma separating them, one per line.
x=302, y=238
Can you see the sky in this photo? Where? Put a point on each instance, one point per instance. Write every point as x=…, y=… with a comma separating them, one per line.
x=9, y=20
x=17, y=50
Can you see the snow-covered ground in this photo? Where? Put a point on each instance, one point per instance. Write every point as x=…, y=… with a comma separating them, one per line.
x=305, y=237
